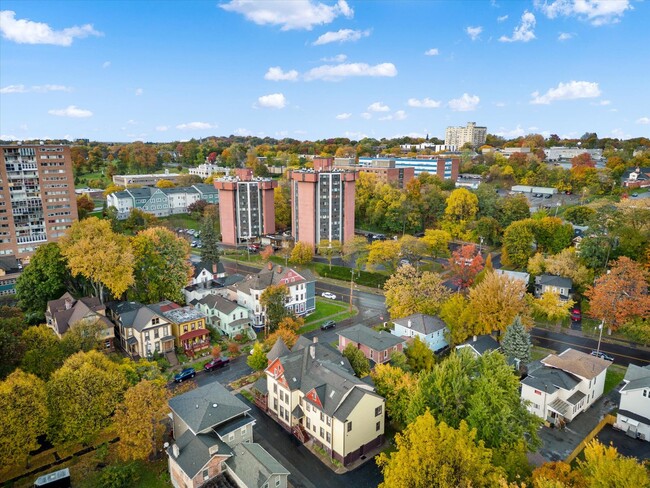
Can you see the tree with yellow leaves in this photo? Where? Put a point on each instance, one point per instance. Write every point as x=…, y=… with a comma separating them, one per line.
x=551, y=306
x=408, y=291
x=139, y=420
x=100, y=255
x=496, y=301
x=434, y=455
x=396, y=386
x=603, y=467
x=302, y=253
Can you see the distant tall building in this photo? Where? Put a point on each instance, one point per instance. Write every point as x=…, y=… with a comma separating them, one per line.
x=246, y=206
x=37, y=199
x=459, y=136
x=445, y=167
x=322, y=203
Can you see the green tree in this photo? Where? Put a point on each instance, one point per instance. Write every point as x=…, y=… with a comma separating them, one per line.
x=396, y=386
x=511, y=209
x=273, y=299
x=24, y=411
x=139, y=420
x=210, y=244
x=329, y=249
x=418, y=356
x=302, y=253
x=12, y=325
x=142, y=369
x=257, y=358
x=552, y=235
x=459, y=317
x=518, y=243
x=43, y=353
x=579, y=215
x=358, y=361
x=437, y=242
x=82, y=397
x=162, y=267
x=282, y=200
x=433, y=454
x=139, y=220
x=384, y=253
x=516, y=342
x=490, y=229
x=100, y=255
x=408, y=291
x=45, y=278
x=84, y=335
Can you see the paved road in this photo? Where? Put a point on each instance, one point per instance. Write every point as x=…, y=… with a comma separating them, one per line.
x=623, y=355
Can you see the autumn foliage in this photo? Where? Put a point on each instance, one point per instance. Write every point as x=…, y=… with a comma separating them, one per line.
x=464, y=264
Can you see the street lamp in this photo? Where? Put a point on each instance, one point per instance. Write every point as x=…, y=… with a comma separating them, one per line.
x=480, y=244
x=557, y=207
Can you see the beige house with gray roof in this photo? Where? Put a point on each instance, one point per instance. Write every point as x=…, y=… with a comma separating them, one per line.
x=313, y=393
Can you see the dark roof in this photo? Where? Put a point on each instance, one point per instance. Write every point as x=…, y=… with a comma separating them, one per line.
x=10, y=264
x=219, y=303
x=261, y=385
x=482, y=344
x=637, y=377
x=378, y=341
x=549, y=380
x=194, y=451
x=134, y=314
x=274, y=276
x=278, y=349
x=253, y=465
x=205, y=188
x=635, y=416
x=424, y=324
x=552, y=280
x=67, y=311
x=232, y=425
x=198, y=267
x=576, y=397
x=207, y=407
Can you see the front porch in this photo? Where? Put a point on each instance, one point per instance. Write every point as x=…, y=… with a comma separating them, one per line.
x=195, y=341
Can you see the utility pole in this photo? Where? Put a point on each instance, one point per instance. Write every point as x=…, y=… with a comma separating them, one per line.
x=351, y=286
x=600, y=336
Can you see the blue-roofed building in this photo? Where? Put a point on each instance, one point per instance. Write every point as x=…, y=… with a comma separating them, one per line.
x=445, y=167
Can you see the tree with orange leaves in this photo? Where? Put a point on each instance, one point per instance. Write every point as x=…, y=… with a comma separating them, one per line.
x=621, y=294
x=464, y=264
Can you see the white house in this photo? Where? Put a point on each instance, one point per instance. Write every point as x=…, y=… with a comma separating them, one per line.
x=560, y=387
x=204, y=272
x=226, y=316
x=633, y=415
x=515, y=275
x=559, y=285
x=431, y=330
x=479, y=345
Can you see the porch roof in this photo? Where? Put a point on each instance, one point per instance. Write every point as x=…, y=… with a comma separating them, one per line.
x=194, y=333
x=576, y=397
x=560, y=406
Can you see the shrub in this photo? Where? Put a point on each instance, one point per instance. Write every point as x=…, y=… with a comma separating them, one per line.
x=118, y=476
x=233, y=348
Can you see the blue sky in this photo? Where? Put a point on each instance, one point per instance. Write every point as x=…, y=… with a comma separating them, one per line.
x=312, y=69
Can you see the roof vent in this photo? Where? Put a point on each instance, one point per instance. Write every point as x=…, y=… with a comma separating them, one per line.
x=214, y=405
x=197, y=405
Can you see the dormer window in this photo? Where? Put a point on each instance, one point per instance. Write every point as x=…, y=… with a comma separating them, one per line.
x=155, y=321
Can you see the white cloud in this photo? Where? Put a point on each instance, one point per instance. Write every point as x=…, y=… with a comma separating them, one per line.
x=275, y=73
x=8, y=137
x=620, y=134
x=524, y=31
x=499, y=104
x=138, y=92
x=162, y=128
x=344, y=116
x=597, y=12
x=366, y=115
x=474, y=32
x=274, y=100
x=424, y=103
x=106, y=64
x=564, y=36
x=296, y=14
x=36, y=89
x=512, y=133
x=567, y=91
x=339, y=58
x=603, y=103
x=342, y=35
x=378, y=107
x=24, y=31
x=71, y=111
x=329, y=72
x=399, y=115
x=466, y=103
x=131, y=122
x=242, y=132
x=355, y=136
x=643, y=121
x=503, y=18
x=432, y=52
x=196, y=126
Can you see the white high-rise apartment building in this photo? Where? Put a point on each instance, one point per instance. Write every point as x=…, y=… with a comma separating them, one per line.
x=459, y=136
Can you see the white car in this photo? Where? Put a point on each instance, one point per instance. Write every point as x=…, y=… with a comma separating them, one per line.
x=327, y=294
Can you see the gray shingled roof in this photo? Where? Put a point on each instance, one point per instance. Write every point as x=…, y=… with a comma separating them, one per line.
x=483, y=344
x=253, y=465
x=220, y=303
x=278, y=349
x=424, y=324
x=198, y=267
x=205, y=188
x=134, y=314
x=549, y=380
x=84, y=307
x=194, y=451
x=552, y=280
x=207, y=407
x=267, y=277
x=378, y=341
x=637, y=377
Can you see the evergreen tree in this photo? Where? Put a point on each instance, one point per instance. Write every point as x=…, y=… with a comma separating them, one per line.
x=210, y=248
x=516, y=342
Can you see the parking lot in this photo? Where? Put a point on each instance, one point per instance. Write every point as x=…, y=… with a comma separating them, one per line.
x=625, y=445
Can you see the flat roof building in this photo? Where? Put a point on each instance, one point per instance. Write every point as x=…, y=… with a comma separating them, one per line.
x=246, y=206
x=322, y=203
x=144, y=180
x=385, y=170
x=445, y=167
x=459, y=136
x=37, y=199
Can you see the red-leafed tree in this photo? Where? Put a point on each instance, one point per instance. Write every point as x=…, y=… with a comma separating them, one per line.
x=464, y=264
x=212, y=157
x=583, y=159
x=620, y=295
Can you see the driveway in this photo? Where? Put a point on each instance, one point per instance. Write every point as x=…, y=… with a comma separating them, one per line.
x=625, y=445
x=306, y=470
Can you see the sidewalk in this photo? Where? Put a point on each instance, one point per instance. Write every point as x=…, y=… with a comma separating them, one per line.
x=578, y=333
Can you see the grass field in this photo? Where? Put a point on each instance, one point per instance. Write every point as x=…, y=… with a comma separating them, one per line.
x=615, y=375
x=326, y=310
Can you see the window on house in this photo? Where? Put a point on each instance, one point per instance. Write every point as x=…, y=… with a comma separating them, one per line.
x=378, y=426
x=206, y=475
x=329, y=420
x=243, y=430
x=184, y=328
x=328, y=437
x=231, y=436
x=322, y=433
x=645, y=393
x=349, y=426
x=322, y=416
x=275, y=387
x=378, y=410
x=277, y=482
x=281, y=411
x=275, y=404
x=385, y=353
x=308, y=423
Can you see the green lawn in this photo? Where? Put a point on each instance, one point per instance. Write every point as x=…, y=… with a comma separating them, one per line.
x=538, y=353
x=326, y=309
x=615, y=375
x=184, y=221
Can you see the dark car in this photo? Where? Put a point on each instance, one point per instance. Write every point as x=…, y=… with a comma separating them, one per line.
x=187, y=373
x=548, y=196
x=216, y=364
x=330, y=324
x=602, y=355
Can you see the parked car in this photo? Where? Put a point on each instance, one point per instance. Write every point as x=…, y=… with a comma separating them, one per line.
x=216, y=363
x=402, y=262
x=602, y=355
x=537, y=195
x=548, y=196
x=634, y=195
x=330, y=324
x=327, y=294
x=184, y=375
x=576, y=315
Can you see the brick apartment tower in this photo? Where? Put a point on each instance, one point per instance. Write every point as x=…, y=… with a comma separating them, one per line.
x=246, y=206
x=37, y=199
x=322, y=203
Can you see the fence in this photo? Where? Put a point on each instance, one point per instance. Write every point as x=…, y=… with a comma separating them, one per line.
x=608, y=419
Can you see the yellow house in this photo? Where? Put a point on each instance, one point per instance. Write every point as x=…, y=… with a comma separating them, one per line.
x=313, y=393
x=188, y=326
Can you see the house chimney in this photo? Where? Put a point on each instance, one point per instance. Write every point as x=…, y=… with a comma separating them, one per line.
x=409, y=323
x=214, y=268
x=270, y=266
x=474, y=338
x=68, y=303
x=312, y=351
x=175, y=451
x=315, y=340
x=279, y=269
